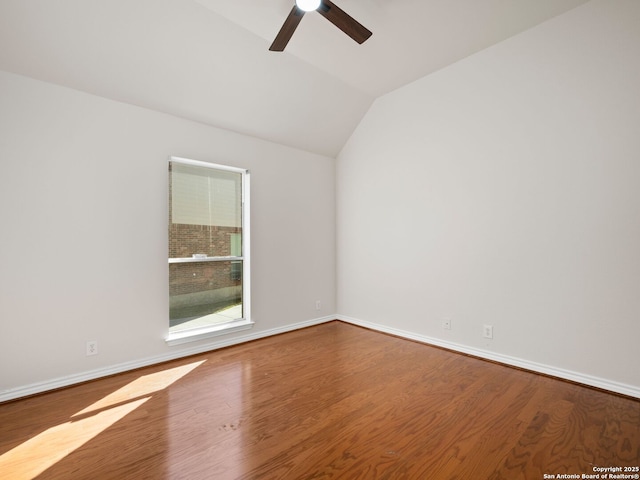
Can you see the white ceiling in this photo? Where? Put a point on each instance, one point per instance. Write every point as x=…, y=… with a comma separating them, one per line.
x=208, y=60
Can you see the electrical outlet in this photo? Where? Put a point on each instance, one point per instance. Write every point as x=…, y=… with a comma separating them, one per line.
x=318, y=304
x=488, y=331
x=92, y=348
x=446, y=323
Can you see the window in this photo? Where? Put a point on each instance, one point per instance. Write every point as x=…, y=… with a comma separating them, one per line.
x=208, y=250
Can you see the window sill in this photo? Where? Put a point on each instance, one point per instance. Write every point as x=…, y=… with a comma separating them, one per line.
x=187, y=336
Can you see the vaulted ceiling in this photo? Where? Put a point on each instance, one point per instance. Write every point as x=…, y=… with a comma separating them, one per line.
x=208, y=60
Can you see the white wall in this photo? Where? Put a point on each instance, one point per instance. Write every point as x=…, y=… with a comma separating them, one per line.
x=505, y=190
x=83, y=242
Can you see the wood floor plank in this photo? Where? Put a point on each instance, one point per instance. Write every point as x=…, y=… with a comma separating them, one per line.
x=333, y=401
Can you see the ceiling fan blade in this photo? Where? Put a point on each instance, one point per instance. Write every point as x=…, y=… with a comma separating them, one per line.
x=288, y=27
x=344, y=21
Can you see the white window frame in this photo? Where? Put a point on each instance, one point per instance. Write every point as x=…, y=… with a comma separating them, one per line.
x=244, y=323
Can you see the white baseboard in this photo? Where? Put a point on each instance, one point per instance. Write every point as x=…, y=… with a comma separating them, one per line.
x=60, y=382
x=584, y=379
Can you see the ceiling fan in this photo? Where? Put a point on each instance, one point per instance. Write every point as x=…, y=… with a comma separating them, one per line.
x=328, y=10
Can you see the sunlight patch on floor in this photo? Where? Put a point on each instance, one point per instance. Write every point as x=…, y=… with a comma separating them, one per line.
x=32, y=457
x=142, y=386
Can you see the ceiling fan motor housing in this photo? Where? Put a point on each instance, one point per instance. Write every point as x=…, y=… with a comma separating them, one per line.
x=328, y=10
x=308, y=5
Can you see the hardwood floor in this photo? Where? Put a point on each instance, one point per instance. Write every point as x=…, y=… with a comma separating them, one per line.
x=327, y=402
